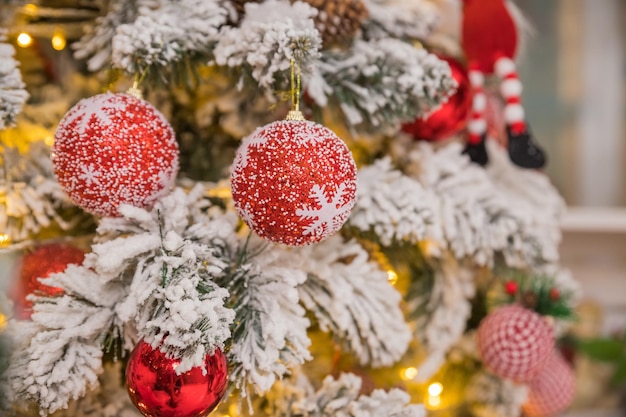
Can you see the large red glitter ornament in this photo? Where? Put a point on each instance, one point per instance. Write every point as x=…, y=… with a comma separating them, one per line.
x=114, y=149
x=157, y=391
x=40, y=263
x=294, y=182
x=552, y=390
x=515, y=342
x=451, y=117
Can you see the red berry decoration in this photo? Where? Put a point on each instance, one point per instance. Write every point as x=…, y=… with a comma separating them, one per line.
x=510, y=287
x=114, y=149
x=554, y=294
x=40, y=263
x=515, y=342
x=157, y=391
x=552, y=390
x=294, y=182
x=451, y=117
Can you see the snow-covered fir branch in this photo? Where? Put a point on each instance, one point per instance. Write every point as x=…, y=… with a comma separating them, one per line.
x=59, y=354
x=381, y=83
x=536, y=204
x=479, y=219
x=13, y=93
x=268, y=38
x=351, y=297
x=439, y=303
x=400, y=19
x=96, y=43
x=165, y=32
x=269, y=336
x=151, y=277
x=34, y=200
x=491, y=396
x=340, y=397
x=392, y=205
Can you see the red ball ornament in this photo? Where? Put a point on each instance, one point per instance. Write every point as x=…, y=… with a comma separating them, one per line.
x=40, y=263
x=114, y=149
x=515, y=342
x=552, y=390
x=451, y=117
x=554, y=294
x=157, y=391
x=294, y=182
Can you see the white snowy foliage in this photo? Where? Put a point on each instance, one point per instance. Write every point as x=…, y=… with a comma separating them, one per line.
x=13, y=93
x=534, y=201
x=60, y=355
x=352, y=298
x=165, y=31
x=491, y=396
x=392, y=205
x=173, y=254
x=441, y=311
x=381, y=83
x=479, y=219
x=269, y=36
x=96, y=43
x=400, y=19
x=341, y=398
x=34, y=199
x=270, y=334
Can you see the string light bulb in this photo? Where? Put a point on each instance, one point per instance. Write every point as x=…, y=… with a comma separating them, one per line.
x=409, y=373
x=58, y=41
x=4, y=240
x=392, y=277
x=435, y=389
x=434, y=401
x=24, y=40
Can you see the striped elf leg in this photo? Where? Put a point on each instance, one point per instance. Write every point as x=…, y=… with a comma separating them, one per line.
x=523, y=151
x=477, y=125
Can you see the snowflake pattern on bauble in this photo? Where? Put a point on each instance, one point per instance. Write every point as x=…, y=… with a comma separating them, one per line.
x=114, y=149
x=294, y=182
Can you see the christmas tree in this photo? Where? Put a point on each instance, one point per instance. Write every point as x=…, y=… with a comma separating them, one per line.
x=281, y=208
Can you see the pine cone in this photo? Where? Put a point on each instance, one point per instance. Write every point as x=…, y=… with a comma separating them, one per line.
x=338, y=20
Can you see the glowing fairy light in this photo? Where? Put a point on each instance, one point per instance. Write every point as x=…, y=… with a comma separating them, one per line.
x=435, y=389
x=58, y=41
x=24, y=40
x=392, y=277
x=409, y=373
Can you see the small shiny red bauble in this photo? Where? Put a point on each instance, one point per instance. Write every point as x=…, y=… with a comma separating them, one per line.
x=451, y=117
x=293, y=182
x=40, y=263
x=514, y=342
x=157, y=391
x=114, y=149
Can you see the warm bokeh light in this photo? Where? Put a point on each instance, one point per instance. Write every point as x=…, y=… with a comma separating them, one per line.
x=409, y=373
x=4, y=239
x=31, y=9
x=24, y=40
x=434, y=401
x=58, y=41
x=435, y=389
x=392, y=277
x=3, y=321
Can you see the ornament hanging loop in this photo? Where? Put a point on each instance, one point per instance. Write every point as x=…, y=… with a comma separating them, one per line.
x=135, y=91
x=296, y=78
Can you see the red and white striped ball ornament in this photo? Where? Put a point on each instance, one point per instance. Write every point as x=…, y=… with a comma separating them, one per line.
x=552, y=390
x=515, y=342
x=293, y=182
x=113, y=149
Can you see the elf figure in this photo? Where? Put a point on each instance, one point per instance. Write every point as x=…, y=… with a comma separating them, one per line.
x=489, y=40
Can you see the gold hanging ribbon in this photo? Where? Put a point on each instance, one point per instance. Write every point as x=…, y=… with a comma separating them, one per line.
x=295, y=113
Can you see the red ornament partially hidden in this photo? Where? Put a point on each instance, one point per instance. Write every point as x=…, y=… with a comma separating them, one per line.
x=451, y=117
x=114, y=149
x=40, y=263
x=294, y=182
x=515, y=342
x=157, y=391
x=510, y=287
x=552, y=390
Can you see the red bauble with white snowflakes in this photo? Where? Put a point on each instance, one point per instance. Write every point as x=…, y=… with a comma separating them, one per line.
x=451, y=117
x=515, y=342
x=114, y=149
x=157, y=391
x=41, y=263
x=552, y=390
x=294, y=182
